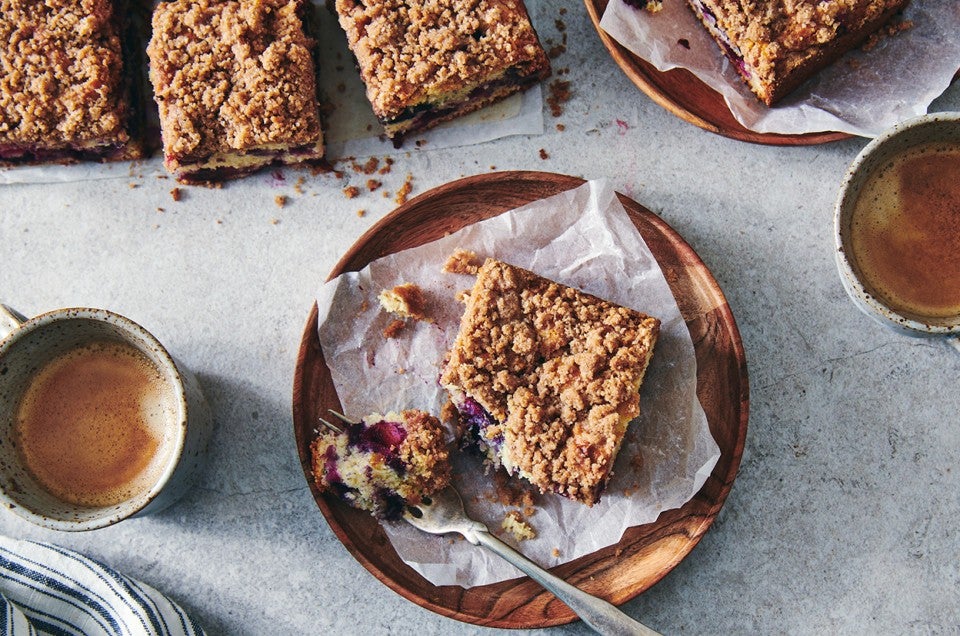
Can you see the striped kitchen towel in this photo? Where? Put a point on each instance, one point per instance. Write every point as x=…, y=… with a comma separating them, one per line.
x=52, y=590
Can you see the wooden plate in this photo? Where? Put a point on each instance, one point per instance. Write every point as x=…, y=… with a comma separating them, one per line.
x=686, y=96
x=645, y=553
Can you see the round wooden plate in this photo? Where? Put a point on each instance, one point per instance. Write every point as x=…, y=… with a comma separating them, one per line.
x=683, y=94
x=645, y=553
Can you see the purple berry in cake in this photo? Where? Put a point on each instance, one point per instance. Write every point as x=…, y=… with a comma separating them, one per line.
x=383, y=462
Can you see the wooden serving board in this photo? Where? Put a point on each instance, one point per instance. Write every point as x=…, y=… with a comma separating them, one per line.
x=646, y=553
x=686, y=96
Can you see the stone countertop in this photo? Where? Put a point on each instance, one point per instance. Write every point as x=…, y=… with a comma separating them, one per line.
x=840, y=520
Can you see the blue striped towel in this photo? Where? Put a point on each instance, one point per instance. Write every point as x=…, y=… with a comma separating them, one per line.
x=45, y=589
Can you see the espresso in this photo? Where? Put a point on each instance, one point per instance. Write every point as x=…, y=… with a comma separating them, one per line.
x=92, y=424
x=905, y=232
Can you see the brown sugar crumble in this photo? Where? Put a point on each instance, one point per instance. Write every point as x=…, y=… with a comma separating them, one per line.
x=373, y=185
x=351, y=192
x=544, y=155
x=516, y=525
x=404, y=191
x=462, y=262
x=176, y=194
x=280, y=200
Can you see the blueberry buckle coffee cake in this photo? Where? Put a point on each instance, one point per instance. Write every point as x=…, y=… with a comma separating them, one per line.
x=384, y=462
x=547, y=377
x=236, y=86
x=428, y=61
x=67, y=92
x=776, y=45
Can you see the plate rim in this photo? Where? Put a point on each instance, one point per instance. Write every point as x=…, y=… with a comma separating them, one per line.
x=558, y=613
x=644, y=76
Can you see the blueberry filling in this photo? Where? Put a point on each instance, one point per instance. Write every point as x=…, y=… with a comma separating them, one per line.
x=476, y=420
x=391, y=503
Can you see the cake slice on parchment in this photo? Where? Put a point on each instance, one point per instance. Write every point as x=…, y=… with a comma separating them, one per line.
x=235, y=83
x=68, y=82
x=427, y=61
x=547, y=377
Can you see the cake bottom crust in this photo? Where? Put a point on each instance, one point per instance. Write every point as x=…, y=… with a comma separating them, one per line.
x=103, y=151
x=224, y=166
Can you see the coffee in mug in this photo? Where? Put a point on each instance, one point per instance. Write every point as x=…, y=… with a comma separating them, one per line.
x=905, y=232
x=93, y=424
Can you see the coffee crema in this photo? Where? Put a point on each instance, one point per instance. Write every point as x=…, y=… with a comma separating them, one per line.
x=92, y=424
x=905, y=232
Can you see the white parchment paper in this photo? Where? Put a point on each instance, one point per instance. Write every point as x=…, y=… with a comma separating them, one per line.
x=581, y=238
x=862, y=93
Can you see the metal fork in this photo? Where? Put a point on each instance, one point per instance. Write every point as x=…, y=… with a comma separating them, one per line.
x=443, y=513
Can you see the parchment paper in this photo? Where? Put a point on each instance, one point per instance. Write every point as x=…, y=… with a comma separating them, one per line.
x=582, y=238
x=862, y=93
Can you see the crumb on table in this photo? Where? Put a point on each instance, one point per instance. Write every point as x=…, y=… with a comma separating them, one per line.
x=393, y=329
x=406, y=300
x=516, y=525
x=462, y=262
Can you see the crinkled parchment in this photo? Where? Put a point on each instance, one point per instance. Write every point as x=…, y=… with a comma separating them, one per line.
x=581, y=238
x=863, y=93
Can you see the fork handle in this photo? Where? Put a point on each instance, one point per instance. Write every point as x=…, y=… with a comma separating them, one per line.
x=602, y=616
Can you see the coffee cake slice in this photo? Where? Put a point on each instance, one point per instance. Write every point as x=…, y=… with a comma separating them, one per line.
x=67, y=85
x=547, y=377
x=776, y=46
x=236, y=86
x=427, y=61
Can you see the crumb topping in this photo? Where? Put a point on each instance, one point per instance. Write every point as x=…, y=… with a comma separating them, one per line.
x=557, y=369
x=410, y=52
x=776, y=37
x=462, y=262
x=62, y=73
x=232, y=75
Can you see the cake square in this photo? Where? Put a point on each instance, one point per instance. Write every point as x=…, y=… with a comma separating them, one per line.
x=547, y=377
x=65, y=86
x=236, y=86
x=776, y=46
x=428, y=61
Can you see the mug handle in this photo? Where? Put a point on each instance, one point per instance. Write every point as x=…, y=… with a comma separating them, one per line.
x=10, y=320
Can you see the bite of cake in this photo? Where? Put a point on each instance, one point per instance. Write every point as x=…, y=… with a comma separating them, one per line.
x=384, y=462
x=428, y=61
x=235, y=83
x=67, y=88
x=547, y=377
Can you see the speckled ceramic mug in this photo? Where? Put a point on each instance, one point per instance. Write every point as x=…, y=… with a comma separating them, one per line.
x=29, y=346
x=934, y=127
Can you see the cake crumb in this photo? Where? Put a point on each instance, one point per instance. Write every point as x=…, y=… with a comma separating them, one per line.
x=274, y=221
x=176, y=194
x=280, y=200
x=559, y=95
x=517, y=526
x=561, y=127
x=373, y=185
x=544, y=155
x=555, y=552
x=393, y=329
x=351, y=192
x=450, y=415
x=406, y=300
x=298, y=186
x=462, y=262
x=361, y=212
x=404, y=190
x=387, y=163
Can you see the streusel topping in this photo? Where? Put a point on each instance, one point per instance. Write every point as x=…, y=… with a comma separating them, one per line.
x=769, y=33
x=61, y=73
x=410, y=51
x=559, y=371
x=232, y=75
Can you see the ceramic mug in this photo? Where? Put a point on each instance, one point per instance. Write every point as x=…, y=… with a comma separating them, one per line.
x=141, y=420
x=903, y=142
